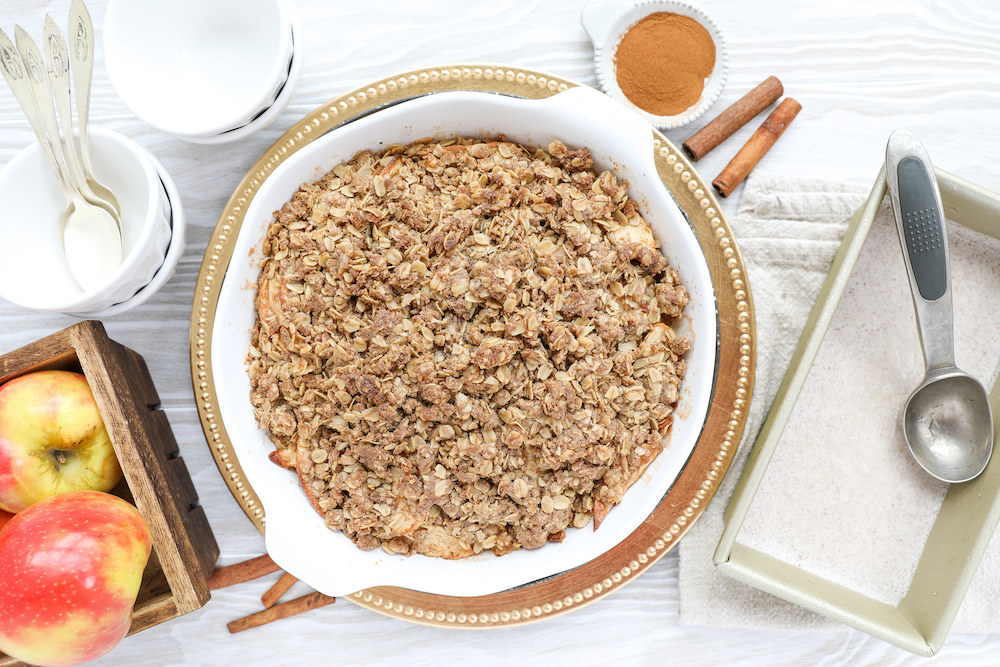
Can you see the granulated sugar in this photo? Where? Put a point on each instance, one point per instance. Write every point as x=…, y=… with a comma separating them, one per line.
x=842, y=498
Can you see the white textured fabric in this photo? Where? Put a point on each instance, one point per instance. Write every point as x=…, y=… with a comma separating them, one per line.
x=789, y=230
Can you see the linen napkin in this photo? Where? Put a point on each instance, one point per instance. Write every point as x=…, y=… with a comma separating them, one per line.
x=789, y=230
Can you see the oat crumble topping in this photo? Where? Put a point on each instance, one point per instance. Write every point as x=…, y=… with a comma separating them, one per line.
x=465, y=345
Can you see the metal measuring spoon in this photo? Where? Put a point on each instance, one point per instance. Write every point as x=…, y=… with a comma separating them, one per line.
x=81, y=51
x=947, y=420
x=89, y=233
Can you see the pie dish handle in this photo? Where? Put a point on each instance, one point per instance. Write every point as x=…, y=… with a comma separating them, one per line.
x=347, y=578
x=591, y=106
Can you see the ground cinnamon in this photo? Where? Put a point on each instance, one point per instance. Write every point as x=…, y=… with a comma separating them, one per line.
x=662, y=63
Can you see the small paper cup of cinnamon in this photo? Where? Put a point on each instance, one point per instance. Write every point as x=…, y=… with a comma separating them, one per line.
x=665, y=59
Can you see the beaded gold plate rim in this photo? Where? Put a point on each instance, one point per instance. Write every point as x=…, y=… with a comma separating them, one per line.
x=697, y=482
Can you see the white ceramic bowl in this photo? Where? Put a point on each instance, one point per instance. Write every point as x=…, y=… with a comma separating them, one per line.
x=267, y=116
x=296, y=535
x=197, y=67
x=175, y=249
x=607, y=21
x=33, y=269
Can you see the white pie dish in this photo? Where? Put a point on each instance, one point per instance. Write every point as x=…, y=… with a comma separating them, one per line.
x=296, y=535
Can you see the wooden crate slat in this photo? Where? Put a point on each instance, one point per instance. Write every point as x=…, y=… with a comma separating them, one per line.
x=145, y=390
x=154, y=612
x=185, y=495
x=201, y=533
x=51, y=352
x=193, y=515
x=111, y=368
x=186, y=500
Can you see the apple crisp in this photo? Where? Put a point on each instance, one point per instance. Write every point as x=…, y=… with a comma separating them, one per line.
x=465, y=346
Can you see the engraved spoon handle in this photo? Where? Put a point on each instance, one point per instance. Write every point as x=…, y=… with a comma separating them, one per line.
x=81, y=53
x=81, y=50
x=57, y=63
x=41, y=90
x=16, y=74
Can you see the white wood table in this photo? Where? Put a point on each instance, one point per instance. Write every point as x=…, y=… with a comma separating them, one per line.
x=860, y=68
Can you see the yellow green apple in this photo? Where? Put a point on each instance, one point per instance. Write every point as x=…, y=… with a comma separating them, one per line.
x=72, y=565
x=52, y=439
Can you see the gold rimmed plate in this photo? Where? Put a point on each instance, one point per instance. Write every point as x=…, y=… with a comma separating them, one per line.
x=709, y=459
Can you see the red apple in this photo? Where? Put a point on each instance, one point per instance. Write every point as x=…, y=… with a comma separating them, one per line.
x=4, y=518
x=72, y=565
x=52, y=439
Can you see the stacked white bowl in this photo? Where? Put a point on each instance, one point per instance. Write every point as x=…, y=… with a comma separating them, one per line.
x=33, y=268
x=205, y=71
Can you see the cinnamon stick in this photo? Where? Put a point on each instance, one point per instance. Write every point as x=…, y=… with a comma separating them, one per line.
x=754, y=149
x=280, y=611
x=240, y=572
x=736, y=116
x=275, y=592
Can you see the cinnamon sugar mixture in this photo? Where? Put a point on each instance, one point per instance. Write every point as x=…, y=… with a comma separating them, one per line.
x=464, y=346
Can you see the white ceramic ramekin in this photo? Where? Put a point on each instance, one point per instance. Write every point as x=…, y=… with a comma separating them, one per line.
x=296, y=535
x=33, y=269
x=175, y=248
x=194, y=68
x=607, y=21
x=265, y=117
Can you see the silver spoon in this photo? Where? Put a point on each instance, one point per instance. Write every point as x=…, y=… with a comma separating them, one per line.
x=57, y=65
x=14, y=73
x=89, y=233
x=81, y=50
x=947, y=421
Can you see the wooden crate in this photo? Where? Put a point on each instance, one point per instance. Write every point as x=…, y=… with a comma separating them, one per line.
x=156, y=480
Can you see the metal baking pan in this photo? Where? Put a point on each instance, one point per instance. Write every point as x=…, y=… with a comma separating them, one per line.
x=968, y=515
